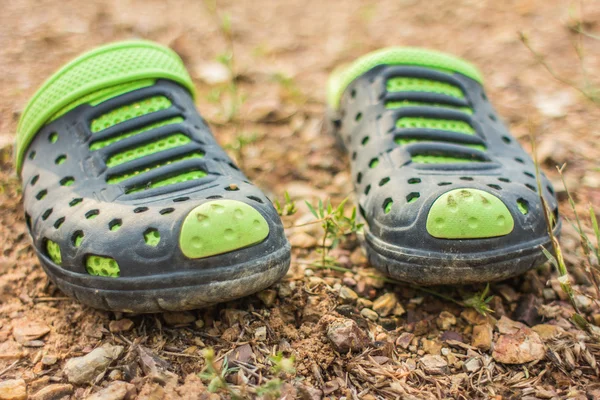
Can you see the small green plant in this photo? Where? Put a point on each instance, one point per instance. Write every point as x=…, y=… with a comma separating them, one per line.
x=336, y=224
x=216, y=377
x=281, y=366
x=288, y=208
x=480, y=301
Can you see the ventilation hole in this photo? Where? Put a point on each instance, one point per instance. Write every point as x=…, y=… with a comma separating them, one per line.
x=550, y=190
x=361, y=211
x=187, y=176
x=77, y=238
x=102, y=266
x=493, y=118
x=53, y=250
x=166, y=211
x=152, y=237
x=504, y=180
x=413, y=181
x=466, y=178
x=257, y=199
x=121, y=177
x=506, y=139
x=384, y=181
x=180, y=199
x=367, y=189
x=67, y=181
x=519, y=160
x=115, y=225
x=374, y=162
x=353, y=93
x=523, y=206
x=493, y=186
x=232, y=165
x=358, y=117
x=76, y=201
x=60, y=159
x=59, y=222
x=387, y=205
x=232, y=187
x=412, y=197
x=169, y=142
x=28, y=221
x=354, y=155
x=444, y=183
x=408, y=84
x=32, y=155
x=365, y=140
x=140, y=210
x=34, y=180
x=217, y=196
x=533, y=188
x=359, y=177
x=555, y=215
x=46, y=214
x=41, y=194
x=103, y=143
x=92, y=214
x=483, y=96
x=529, y=174
x=53, y=137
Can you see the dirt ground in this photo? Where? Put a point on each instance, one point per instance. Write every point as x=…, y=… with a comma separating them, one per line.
x=424, y=346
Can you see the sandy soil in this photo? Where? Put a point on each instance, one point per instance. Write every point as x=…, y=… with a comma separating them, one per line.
x=283, y=53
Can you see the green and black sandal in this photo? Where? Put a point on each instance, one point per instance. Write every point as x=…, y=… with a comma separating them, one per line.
x=131, y=203
x=447, y=194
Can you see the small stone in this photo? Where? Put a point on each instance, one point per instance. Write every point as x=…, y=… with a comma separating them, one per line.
x=348, y=281
x=547, y=331
x=431, y=346
x=518, y=348
x=25, y=330
x=399, y=310
x=452, y=336
x=549, y=294
x=115, y=375
x=53, y=392
x=445, y=320
x=212, y=72
x=267, y=296
x=13, y=389
x=404, y=340
x=261, y=333
x=117, y=390
x=434, y=365
x=303, y=240
x=545, y=394
x=199, y=323
x=384, y=305
x=473, y=317
x=482, y=337
x=369, y=314
x=81, y=370
x=49, y=359
x=307, y=392
x=178, y=318
x=243, y=354
x=34, y=343
x=345, y=335
x=122, y=325
x=232, y=316
x=348, y=295
x=583, y=302
x=11, y=350
x=526, y=311
x=472, y=365
x=363, y=303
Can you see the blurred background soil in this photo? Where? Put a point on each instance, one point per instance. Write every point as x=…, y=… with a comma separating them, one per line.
x=283, y=52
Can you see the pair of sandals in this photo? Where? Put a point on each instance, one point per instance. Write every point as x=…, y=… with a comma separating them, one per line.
x=133, y=206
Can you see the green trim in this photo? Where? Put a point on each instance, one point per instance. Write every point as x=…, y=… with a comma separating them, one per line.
x=103, y=143
x=129, y=111
x=120, y=178
x=469, y=214
x=105, y=67
x=53, y=250
x=410, y=103
x=169, y=142
x=342, y=77
x=102, y=266
x=435, y=123
x=221, y=226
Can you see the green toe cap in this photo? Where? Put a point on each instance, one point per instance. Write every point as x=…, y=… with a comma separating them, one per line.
x=469, y=214
x=221, y=226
